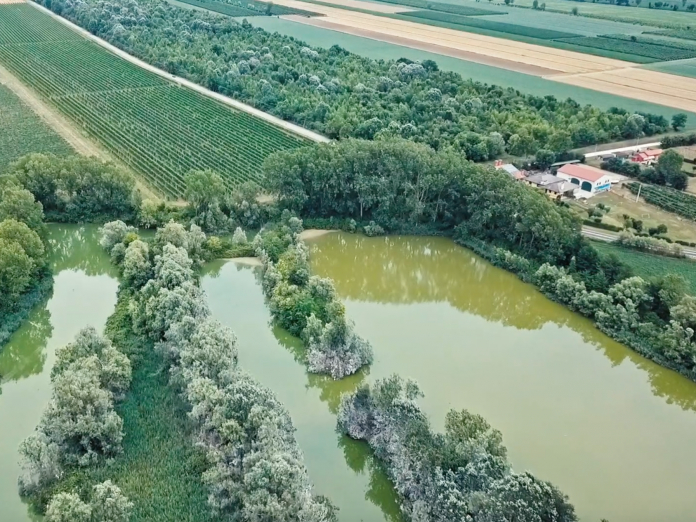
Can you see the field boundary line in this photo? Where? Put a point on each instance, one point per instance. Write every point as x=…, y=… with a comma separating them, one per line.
x=287, y=126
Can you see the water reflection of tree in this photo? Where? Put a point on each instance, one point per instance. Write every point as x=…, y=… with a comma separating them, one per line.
x=330, y=391
x=73, y=247
x=25, y=354
x=357, y=454
x=381, y=492
x=406, y=270
x=416, y=270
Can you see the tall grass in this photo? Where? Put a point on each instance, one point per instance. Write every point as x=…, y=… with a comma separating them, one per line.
x=160, y=468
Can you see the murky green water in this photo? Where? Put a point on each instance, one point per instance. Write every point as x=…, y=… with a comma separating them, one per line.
x=84, y=294
x=610, y=428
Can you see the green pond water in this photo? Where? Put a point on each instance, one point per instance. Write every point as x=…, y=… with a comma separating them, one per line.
x=611, y=429
x=84, y=294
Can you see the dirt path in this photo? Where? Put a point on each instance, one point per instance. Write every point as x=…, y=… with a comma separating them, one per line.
x=52, y=118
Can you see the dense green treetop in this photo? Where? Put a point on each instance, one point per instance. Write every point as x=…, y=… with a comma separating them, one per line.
x=344, y=95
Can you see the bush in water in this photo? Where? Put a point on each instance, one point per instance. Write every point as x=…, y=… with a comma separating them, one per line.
x=255, y=467
x=80, y=425
x=462, y=474
x=78, y=189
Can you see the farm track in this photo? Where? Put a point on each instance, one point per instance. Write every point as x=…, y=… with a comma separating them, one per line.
x=52, y=118
x=289, y=127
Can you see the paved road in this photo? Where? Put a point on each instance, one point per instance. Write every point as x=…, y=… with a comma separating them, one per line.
x=608, y=236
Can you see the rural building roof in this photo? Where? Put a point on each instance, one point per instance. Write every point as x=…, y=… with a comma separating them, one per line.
x=550, y=182
x=509, y=168
x=584, y=172
x=561, y=187
x=543, y=179
x=652, y=152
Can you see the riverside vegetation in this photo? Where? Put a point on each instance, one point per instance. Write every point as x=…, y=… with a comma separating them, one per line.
x=40, y=187
x=344, y=95
x=404, y=186
x=256, y=471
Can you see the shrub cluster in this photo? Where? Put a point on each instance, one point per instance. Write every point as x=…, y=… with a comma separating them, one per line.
x=106, y=504
x=255, y=469
x=307, y=306
x=76, y=189
x=655, y=318
x=80, y=426
x=462, y=474
x=649, y=244
x=683, y=140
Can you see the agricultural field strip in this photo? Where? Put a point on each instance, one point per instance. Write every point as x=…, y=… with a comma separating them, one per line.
x=292, y=128
x=386, y=8
x=636, y=92
x=168, y=131
x=642, y=84
x=553, y=59
x=668, y=92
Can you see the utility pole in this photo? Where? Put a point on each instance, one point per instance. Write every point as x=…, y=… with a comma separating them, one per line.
x=639, y=189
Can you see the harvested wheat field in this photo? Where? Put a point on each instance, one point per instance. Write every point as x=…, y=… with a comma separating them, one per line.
x=640, y=84
x=582, y=70
x=357, y=4
x=551, y=60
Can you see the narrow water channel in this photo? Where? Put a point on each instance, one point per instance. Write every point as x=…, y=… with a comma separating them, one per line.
x=611, y=429
x=84, y=294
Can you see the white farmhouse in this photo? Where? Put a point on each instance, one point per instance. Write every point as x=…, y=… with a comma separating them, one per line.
x=590, y=180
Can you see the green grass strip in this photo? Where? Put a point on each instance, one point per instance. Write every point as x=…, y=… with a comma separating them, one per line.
x=445, y=7
x=160, y=468
x=544, y=34
x=649, y=265
x=653, y=51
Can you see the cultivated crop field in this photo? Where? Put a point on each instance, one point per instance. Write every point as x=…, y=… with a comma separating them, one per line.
x=445, y=7
x=244, y=9
x=491, y=25
x=23, y=132
x=160, y=130
x=649, y=265
x=638, y=15
x=668, y=199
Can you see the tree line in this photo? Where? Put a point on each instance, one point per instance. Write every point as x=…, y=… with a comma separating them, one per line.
x=25, y=278
x=343, y=95
x=254, y=469
x=407, y=187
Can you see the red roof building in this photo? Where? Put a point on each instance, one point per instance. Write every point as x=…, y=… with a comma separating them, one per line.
x=590, y=180
x=647, y=157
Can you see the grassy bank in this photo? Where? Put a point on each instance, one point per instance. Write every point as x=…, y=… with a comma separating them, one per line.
x=160, y=468
x=649, y=265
